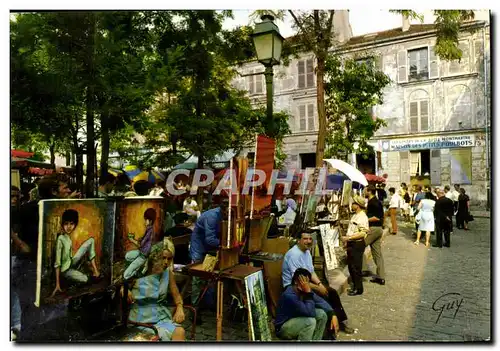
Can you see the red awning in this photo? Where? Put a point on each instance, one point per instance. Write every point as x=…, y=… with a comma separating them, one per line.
x=374, y=178
x=21, y=153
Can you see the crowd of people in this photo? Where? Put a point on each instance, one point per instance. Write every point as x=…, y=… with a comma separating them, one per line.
x=307, y=309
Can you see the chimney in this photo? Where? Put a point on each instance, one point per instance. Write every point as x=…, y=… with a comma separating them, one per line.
x=406, y=23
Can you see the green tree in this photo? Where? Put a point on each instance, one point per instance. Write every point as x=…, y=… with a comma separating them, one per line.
x=353, y=88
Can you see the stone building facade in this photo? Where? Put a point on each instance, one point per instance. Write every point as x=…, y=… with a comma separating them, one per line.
x=437, y=112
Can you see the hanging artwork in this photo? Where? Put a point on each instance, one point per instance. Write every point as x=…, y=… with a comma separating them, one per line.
x=257, y=307
x=75, y=246
x=346, y=193
x=139, y=224
x=330, y=240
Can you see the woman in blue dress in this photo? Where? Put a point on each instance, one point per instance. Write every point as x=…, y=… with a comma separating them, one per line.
x=148, y=296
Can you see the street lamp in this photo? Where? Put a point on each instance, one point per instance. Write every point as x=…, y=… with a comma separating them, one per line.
x=268, y=44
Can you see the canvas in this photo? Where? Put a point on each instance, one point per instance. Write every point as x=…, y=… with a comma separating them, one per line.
x=258, y=316
x=75, y=245
x=139, y=223
x=346, y=193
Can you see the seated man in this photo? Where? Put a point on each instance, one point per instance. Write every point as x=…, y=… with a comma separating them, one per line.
x=300, y=257
x=301, y=314
x=148, y=296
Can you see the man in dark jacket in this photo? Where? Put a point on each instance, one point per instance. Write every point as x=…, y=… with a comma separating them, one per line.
x=301, y=314
x=443, y=213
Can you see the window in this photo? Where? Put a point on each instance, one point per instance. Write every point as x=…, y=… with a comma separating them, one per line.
x=418, y=64
x=306, y=73
x=256, y=82
x=461, y=166
x=307, y=118
x=419, y=111
x=308, y=160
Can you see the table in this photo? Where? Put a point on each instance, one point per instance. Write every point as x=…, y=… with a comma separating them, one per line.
x=238, y=273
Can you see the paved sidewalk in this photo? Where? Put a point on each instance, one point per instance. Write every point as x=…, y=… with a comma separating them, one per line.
x=420, y=282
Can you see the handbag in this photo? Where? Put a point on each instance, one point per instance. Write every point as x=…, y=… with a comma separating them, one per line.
x=470, y=218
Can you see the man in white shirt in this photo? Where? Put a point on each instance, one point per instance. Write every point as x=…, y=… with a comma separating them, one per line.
x=354, y=242
x=394, y=202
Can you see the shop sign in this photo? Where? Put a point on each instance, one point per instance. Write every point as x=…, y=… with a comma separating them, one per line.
x=431, y=142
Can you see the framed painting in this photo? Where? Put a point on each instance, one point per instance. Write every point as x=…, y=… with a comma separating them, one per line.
x=75, y=247
x=139, y=226
x=257, y=307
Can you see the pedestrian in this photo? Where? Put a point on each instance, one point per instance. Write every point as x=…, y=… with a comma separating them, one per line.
x=375, y=214
x=456, y=194
x=301, y=314
x=418, y=196
x=394, y=203
x=106, y=185
x=463, y=210
x=443, y=213
x=425, y=218
x=354, y=242
x=299, y=256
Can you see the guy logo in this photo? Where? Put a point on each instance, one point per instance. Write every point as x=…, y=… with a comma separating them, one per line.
x=446, y=302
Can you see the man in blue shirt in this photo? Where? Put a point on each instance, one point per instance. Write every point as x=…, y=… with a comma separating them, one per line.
x=301, y=314
x=205, y=238
x=299, y=256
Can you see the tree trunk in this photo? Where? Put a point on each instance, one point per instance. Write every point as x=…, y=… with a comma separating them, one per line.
x=68, y=158
x=52, y=154
x=320, y=91
x=199, y=194
x=89, y=181
x=104, y=145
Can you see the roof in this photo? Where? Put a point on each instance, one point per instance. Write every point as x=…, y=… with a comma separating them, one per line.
x=389, y=34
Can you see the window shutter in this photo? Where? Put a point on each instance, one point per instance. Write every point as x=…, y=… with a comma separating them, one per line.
x=433, y=64
x=402, y=67
x=310, y=73
x=405, y=166
x=302, y=117
x=465, y=61
x=258, y=84
x=436, y=167
x=310, y=117
x=424, y=115
x=414, y=117
x=251, y=85
x=302, y=72
x=478, y=54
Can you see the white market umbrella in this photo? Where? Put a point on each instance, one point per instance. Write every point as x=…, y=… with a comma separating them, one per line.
x=351, y=172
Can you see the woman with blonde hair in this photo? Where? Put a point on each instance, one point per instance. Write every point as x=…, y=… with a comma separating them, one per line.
x=148, y=296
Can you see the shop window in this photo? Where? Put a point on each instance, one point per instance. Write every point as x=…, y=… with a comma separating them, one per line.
x=461, y=166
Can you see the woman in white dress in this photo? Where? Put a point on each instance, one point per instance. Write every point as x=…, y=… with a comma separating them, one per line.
x=425, y=218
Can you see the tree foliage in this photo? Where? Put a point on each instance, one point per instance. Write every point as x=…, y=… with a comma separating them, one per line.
x=353, y=88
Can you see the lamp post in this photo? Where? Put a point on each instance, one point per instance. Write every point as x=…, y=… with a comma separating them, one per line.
x=268, y=43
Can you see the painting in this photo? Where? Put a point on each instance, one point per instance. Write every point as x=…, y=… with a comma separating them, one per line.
x=257, y=307
x=139, y=223
x=330, y=240
x=75, y=247
x=346, y=193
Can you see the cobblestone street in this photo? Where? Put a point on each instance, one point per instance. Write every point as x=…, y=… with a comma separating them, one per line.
x=416, y=278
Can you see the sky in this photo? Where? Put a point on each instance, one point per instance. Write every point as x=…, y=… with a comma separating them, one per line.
x=362, y=21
